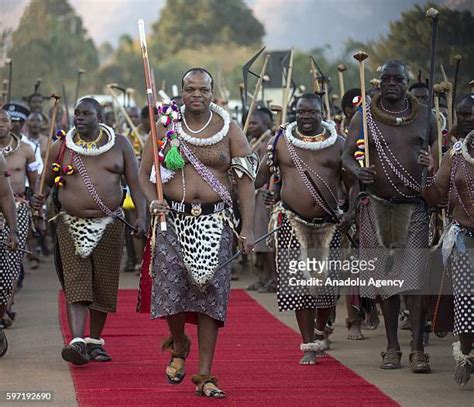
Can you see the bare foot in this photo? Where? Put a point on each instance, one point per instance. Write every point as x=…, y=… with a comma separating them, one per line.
x=372, y=320
x=462, y=373
x=309, y=358
x=354, y=333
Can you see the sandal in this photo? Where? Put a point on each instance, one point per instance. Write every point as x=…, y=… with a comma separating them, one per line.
x=96, y=351
x=75, y=352
x=391, y=359
x=419, y=362
x=206, y=385
x=354, y=332
x=175, y=369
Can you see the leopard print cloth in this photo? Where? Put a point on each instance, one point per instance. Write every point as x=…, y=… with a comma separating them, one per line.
x=85, y=232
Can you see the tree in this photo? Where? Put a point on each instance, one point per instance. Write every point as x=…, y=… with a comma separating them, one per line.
x=52, y=44
x=409, y=40
x=185, y=24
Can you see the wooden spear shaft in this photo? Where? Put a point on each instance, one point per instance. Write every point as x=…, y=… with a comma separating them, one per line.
x=286, y=89
x=256, y=92
x=151, y=112
x=361, y=57
x=341, y=68
x=125, y=114
x=50, y=141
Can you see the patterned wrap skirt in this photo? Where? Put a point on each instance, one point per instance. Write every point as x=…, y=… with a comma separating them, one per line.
x=394, y=236
x=185, y=273
x=10, y=262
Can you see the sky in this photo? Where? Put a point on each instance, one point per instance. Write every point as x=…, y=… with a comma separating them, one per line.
x=303, y=24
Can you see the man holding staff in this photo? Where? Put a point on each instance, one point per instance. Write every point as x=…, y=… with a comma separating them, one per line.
x=85, y=169
x=188, y=284
x=393, y=218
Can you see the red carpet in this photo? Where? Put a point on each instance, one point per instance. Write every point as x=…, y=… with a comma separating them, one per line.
x=256, y=362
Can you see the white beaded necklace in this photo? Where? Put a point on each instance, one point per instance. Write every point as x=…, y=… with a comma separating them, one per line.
x=208, y=141
x=317, y=145
x=91, y=151
x=464, y=151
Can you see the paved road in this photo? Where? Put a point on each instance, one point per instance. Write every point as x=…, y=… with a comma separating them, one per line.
x=34, y=362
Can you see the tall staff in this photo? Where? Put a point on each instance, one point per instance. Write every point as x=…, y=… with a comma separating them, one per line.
x=256, y=92
x=9, y=62
x=50, y=141
x=433, y=14
x=110, y=87
x=80, y=72
x=150, y=97
x=341, y=68
x=361, y=57
x=286, y=89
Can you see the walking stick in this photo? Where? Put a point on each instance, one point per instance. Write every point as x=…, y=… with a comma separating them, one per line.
x=361, y=57
x=151, y=112
x=326, y=203
x=437, y=89
x=48, y=147
x=4, y=91
x=457, y=59
x=9, y=62
x=433, y=14
x=66, y=107
x=341, y=68
x=80, y=72
x=110, y=87
x=50, y=141
x=256, y=92
x=314, y=75
x=286, y=89
x=239, y=252
x=18, y=249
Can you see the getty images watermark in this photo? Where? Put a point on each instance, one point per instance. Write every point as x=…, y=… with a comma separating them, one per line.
x=312, y=272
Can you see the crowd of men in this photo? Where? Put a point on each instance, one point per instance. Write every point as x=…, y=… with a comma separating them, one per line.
x=303, y=181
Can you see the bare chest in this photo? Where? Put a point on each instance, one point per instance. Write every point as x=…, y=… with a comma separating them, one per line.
x=216, y=156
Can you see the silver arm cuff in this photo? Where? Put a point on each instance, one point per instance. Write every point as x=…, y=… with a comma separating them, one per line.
x=247, y=165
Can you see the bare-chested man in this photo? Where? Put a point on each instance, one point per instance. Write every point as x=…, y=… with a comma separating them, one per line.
x=454, y=180
x=188, y=285
x=8, y=237
x=21, y=165
x=311, y=145
x=260, y=133
x=87, y=191
x=35, y=126
x=392, y=216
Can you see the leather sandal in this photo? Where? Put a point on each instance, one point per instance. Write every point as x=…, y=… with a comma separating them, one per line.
x=391, y=359
x=206, y=385
x=419, y=362
x=175, y=369
x=96, y=351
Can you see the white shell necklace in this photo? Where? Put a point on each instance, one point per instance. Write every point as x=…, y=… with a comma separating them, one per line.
x=208, y=141
x=91, y=151
x=318, y=145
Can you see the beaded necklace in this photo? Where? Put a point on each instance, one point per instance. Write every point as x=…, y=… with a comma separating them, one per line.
x=9, y=149
x=398, y=170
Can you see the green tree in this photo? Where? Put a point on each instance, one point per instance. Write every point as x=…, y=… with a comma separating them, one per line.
x=52, y=44
x=185, y=24
x=409, y=40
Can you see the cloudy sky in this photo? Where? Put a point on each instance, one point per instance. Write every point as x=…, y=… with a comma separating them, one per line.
x=303, y=24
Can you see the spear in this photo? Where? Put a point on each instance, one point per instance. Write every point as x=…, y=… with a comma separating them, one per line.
x=50, y=140
x=80, y=72
x=151, y=114
x=111, y=87
x=457, y=59
x=433, y=14
x=256, y=92
x=245, y=72
x=66, y=107
x=9, y=62
x=286, y=89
